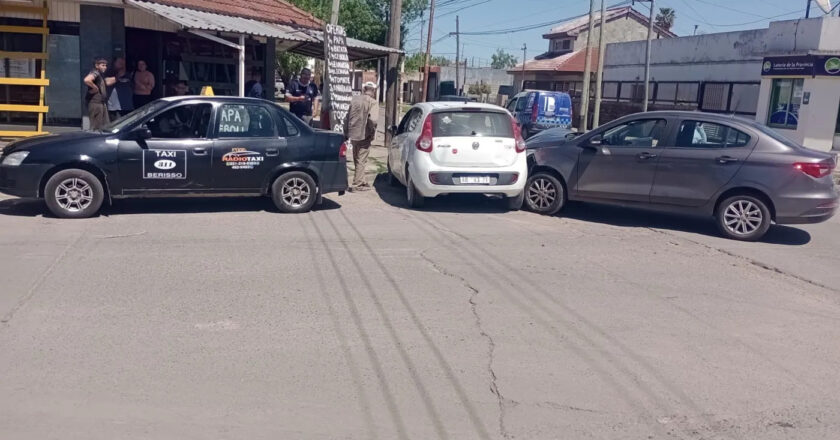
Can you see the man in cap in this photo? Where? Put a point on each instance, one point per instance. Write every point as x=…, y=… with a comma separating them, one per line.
x=360, y=128
x=96, y=97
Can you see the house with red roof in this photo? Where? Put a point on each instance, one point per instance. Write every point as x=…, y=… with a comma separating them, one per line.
x=561, y=67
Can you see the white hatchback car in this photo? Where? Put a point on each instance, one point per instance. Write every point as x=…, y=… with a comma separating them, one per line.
x=457, y=147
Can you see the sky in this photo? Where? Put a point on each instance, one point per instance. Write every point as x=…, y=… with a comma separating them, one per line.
x=711, y=16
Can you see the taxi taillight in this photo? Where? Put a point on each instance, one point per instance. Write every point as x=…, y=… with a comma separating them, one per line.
x=342, y=150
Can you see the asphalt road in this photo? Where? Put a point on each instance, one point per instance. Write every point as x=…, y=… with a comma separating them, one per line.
x=199, y=319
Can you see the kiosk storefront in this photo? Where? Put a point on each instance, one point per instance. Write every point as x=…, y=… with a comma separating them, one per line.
x=800, y=97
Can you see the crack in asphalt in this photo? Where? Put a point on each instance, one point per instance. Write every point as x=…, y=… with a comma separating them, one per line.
x=751, y=261
x=491, y=344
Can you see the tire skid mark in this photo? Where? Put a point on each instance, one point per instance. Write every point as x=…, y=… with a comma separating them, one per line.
x=342, y=336
x=535, y=309
x=447, y=369
x=387, y=393
x=392, y=332
x=666, y=383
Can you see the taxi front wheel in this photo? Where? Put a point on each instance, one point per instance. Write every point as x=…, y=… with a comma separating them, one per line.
x=74, y=193
x=294, y=191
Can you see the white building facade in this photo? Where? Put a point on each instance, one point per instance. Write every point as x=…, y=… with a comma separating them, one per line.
x=786, y=76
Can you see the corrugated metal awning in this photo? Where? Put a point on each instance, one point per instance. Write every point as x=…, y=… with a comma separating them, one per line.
x=307, y=42
x=192, y=19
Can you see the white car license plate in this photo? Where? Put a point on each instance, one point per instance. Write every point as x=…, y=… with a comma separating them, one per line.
x=475, y=180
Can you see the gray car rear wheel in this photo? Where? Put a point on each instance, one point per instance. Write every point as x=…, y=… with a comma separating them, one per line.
x=743, y=217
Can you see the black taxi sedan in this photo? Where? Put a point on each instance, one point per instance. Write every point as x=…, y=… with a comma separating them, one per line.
x=192, y=145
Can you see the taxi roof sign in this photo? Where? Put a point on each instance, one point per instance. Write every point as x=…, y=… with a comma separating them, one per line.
x=207, y=91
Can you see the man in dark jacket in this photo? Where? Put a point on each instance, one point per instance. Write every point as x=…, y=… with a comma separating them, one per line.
x=300, y=94
x=97, y=94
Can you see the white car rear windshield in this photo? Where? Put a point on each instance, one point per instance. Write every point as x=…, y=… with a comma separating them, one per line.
x=471, y=123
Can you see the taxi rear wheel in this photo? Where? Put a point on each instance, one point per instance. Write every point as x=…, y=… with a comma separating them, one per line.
x=74, y=193
x=294, y=192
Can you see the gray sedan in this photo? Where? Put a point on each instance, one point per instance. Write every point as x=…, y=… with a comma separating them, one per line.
x=742, y=173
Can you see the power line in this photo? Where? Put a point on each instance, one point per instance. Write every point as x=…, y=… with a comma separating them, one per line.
x=535, y=25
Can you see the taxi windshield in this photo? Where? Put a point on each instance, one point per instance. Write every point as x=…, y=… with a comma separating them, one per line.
x=129, y=119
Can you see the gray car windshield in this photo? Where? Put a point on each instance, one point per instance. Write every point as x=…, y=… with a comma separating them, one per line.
x=129, y=119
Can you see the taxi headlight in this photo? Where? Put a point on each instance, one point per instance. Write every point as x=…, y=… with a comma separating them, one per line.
x=15, y=158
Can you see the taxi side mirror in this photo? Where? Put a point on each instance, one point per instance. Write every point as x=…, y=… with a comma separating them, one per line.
x=393, y=130
x=140, y=133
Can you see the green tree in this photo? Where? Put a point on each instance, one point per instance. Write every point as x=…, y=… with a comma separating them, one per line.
x=665, y=18
x=289, y=64
x=365, y=20
x=414, y=62
x=480, y=88
x=502, y=60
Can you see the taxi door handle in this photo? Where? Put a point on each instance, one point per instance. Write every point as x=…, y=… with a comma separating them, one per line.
x=272, y=151
x=200, y=151
x=646, y=155
x=725, y=159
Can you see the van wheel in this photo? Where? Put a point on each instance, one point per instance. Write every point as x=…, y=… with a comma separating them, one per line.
x=294, y=192
x=544, y=194
x=743, y=217
x=415, y=199
x=74, y=193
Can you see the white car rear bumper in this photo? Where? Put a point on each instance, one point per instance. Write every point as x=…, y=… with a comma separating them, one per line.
x=508, y=181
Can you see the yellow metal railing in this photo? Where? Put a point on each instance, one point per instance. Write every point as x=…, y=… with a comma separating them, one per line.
x=42, y=82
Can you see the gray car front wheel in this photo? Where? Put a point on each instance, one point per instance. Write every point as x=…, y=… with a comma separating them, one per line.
x=743, y=217
x=544, y=194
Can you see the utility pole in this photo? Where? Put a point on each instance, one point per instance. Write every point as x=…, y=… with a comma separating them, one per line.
x=807, y=8
x=334, y=14
x=524, y=58
x=457, y=55
x=695, y=28
x=647, y=59
x=428, y=52
x=587, y=70
x=464, y=53
x=392, y=76
x=599, y=77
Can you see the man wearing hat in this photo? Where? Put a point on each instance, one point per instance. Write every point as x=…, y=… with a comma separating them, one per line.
x=360, y=128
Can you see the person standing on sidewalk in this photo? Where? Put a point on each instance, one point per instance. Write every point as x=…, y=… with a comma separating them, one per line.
x=144, y=84
x=300, y=94
x=360, y=128
x=121, y=98
x=97, y=94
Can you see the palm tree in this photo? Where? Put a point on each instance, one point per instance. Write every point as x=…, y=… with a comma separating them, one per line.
x=665, y=18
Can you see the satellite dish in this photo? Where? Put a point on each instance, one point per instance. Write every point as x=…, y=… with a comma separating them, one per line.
x=825, y=5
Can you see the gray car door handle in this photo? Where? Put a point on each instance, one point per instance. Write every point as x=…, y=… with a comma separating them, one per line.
x=646, y=156
x=272, y=151
x=200, y=151
x=725, y=159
